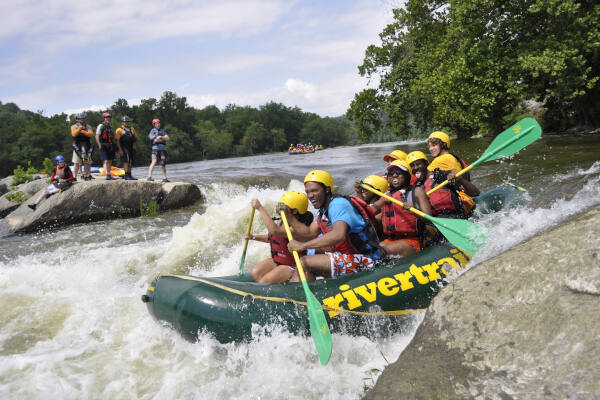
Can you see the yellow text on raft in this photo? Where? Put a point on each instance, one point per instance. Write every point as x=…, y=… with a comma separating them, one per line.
x=390, y=286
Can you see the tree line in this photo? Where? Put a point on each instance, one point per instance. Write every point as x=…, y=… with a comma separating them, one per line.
x=196, y=134
x=476, y=66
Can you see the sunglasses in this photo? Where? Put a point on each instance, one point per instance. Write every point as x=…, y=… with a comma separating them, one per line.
x=395, y=172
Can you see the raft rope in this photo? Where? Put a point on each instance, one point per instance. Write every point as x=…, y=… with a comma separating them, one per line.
x=285, y=300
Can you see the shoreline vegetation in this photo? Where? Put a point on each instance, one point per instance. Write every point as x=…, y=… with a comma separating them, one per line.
x=196, y=134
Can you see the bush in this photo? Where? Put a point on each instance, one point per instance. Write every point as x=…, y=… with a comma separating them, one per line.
x=22, y=176
x=48, y=166
x=17, y=197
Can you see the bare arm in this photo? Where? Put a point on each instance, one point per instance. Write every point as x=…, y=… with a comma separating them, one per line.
x=331, y=238
x=422, y=200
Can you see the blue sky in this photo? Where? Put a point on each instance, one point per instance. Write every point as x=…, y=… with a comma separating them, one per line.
x=78, y=54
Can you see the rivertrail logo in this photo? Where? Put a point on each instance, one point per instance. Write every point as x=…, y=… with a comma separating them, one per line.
x=393, y=285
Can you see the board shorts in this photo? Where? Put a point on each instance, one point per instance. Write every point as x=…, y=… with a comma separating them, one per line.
x=107, y=153
x=344, y=264
x=160, y=156
x=414, y=242
x=52, y=189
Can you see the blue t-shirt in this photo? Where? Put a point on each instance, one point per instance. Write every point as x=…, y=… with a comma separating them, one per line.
x=340, y=209
x=153, y=134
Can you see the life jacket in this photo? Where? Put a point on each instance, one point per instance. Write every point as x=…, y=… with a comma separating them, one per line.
x=447, y=201
x=396, y=221
x=80, y=138
x=60, y=173
x=107, y=134
x=127, y=136
x=279, y=250
x=365, y=242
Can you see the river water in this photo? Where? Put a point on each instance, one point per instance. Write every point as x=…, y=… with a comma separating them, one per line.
x=72, y=325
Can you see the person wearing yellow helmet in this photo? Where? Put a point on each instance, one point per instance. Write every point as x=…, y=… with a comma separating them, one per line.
x=448, y=164
x=376, y=182
x=401, y=228
x=394, y=155
x=280, y=266
x=343, y=229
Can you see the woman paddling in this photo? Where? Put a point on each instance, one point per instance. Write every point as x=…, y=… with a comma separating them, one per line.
x=280, y=267
x=401, y=228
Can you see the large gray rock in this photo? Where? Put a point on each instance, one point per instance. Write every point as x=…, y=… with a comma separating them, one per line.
x=100, y=199
x=523, y=325
x=28, y=188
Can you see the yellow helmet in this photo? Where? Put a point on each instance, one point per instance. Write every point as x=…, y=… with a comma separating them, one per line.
x=295, y=200
x=377, y=182
x=320, y=176
x=395, y=155
x=442, y=136
x=416, y=155
x=402, y=164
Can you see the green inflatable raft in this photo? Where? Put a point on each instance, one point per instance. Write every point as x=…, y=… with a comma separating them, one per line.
x=371, y=302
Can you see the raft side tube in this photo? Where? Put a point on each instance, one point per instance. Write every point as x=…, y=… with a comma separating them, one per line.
x=228, y=307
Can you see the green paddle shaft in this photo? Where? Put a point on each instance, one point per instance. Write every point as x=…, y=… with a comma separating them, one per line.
x=319, y=329
x=515, y=138
x=461, y=233
x=246, y=243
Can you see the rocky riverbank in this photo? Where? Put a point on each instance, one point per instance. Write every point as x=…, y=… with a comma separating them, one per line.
x=523, y=325
x=94, y=200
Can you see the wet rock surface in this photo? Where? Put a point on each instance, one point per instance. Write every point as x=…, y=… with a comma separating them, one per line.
x=525, y=324
x=93, y=200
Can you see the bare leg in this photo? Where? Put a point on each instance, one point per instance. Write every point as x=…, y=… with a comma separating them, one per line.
x=399, y=248
x=280, y=274
x=317, y=265
x=164, y=171
x=262, y=268
x=88, y=169
x=76, y=169
x=152, y=164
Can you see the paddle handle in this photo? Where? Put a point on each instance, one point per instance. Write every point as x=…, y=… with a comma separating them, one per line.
x=246, y=241
x=288, y=232
x=459, y=173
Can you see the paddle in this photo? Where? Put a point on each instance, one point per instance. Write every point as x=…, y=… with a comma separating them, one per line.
x=246, y=244
x=316, y=317
x=461, y=233
x=515, y=138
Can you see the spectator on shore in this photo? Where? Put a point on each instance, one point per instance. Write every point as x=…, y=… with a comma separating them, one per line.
x=105, y=138
x=126, y=138
x=82, y=148
x=159, y=139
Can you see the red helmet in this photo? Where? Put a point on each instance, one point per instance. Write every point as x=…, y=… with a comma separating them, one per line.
x=154, y=121
x=106, y=115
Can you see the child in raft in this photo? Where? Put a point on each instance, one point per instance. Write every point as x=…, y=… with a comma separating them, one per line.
x=62, y=178
x=280, y=267
x=401, y=228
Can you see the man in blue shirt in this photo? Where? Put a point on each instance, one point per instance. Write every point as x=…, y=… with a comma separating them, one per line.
x=159, y=139
x=343, y=233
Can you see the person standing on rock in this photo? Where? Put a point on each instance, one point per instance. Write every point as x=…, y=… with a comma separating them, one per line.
x=126, y=138
x=105, y=138
x=62, y=178
x=82, y=148
x=159, y=139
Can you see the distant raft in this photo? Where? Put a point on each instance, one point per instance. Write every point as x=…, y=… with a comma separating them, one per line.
x=371, y=302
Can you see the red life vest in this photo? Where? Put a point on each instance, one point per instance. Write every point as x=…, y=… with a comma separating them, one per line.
x=279, y=251
x=107, y=134
x=443, y=201
x=396, y=221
